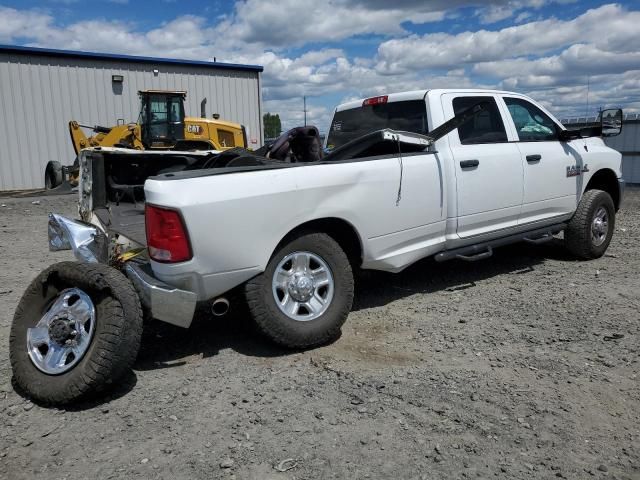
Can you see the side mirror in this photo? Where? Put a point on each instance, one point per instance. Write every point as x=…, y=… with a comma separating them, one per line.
x=611, y=122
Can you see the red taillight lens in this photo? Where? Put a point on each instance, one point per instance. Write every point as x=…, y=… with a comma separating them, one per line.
x=167, y=238
x=375, y=100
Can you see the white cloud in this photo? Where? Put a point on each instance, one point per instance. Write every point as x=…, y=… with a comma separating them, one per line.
x=549, y=59
x=17, y=24
x=296, y=22
x=493, y=12
x=609, y=27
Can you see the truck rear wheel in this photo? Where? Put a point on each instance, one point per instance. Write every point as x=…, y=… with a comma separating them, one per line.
x=305, y=294
x=590, y=230
x=52, y=175
x=76, y=332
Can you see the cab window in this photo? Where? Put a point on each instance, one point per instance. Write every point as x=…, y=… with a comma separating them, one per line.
x=532, y=124
x=347, y=125
x=485, y=127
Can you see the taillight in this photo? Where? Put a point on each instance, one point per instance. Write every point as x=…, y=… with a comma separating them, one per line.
x=375, y=100
x=167, y=238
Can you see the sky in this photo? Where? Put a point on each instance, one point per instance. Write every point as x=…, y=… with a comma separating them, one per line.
x=572, y=56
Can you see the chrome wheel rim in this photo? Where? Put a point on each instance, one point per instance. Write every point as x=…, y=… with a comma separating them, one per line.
x=600, y=226
x=63, y=335
x=303, y=286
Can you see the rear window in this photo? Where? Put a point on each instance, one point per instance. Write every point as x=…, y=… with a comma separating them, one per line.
x=347, y=125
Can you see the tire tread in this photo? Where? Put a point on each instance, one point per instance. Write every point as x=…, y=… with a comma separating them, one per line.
x=578, y=232
x=278, y=331
x=115, y=343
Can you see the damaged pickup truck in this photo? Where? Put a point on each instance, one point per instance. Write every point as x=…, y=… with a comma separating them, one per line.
x=451, y=174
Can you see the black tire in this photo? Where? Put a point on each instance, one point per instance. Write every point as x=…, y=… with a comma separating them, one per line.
x=578, y=234
x=114, y=345
x=52, y=175
x=286, y=331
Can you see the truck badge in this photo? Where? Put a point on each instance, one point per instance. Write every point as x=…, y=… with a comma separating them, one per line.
x=575, y=170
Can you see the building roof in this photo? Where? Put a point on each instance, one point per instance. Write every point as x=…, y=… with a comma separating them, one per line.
x=15, y=49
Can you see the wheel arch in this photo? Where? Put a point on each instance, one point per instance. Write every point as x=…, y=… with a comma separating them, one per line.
x=606, y=180
x=339, y=229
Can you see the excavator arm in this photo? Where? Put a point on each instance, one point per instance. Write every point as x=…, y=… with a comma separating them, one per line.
x=120, y=135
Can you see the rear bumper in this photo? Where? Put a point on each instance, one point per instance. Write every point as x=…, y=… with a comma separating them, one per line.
x=164, y=302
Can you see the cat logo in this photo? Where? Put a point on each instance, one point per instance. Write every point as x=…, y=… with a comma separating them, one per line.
x=195, y=129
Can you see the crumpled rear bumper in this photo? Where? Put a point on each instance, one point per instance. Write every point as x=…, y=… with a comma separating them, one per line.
x=165, y=302
x=90, y=245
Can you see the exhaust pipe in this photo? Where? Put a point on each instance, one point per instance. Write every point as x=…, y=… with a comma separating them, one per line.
x=220, y=307
x=203, y=108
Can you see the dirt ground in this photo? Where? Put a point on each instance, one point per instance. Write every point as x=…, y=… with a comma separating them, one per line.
x=508, y=368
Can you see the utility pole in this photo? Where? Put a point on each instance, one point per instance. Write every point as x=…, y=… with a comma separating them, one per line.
x=304, y=99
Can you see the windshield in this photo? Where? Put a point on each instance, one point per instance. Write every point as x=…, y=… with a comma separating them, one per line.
x=408, y=116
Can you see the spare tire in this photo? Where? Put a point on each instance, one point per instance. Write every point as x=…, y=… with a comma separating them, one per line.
x=52, y=175
x=76, y=332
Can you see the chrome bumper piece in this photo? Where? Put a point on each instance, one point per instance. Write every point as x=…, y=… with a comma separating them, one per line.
x=165, y=302
x=88, y=242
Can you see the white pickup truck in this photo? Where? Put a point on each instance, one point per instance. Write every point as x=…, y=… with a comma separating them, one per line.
x=444, y=173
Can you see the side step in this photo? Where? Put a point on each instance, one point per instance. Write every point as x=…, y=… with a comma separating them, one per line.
x=480, y=251
x=547, y=237
x=476, y=256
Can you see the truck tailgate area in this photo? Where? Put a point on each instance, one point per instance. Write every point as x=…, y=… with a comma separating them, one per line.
x=125, y=219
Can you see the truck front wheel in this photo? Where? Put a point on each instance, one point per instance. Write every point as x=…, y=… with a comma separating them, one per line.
x=305, y=294
x=76, y=331
x=590, y=230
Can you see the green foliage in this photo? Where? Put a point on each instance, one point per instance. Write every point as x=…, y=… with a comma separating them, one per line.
x=272, y=125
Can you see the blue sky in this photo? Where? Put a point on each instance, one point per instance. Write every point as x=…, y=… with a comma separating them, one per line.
x=339, y=50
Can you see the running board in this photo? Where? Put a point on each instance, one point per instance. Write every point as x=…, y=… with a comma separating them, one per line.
x=476, y=256
x=483, y=250
x=547, y=237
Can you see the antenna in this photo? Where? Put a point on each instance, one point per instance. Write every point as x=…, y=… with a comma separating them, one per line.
x=586, y=112
x=304, y=99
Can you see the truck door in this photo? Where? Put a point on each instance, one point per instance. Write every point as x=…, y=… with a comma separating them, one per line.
x=550, y=188
x=487, y=166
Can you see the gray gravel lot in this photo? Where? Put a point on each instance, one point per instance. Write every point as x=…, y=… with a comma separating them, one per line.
x=508, y=368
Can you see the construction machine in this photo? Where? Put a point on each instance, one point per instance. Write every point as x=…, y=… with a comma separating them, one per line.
x=161, y=125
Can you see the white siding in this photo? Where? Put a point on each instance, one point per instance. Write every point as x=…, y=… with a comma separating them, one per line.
x=40, y=94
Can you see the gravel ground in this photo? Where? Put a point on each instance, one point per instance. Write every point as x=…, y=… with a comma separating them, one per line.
x=508, y=368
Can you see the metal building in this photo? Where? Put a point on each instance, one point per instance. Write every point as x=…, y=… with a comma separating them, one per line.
x=627, y=143
x=41, y=90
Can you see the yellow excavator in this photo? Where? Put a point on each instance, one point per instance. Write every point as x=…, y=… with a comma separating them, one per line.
x=162, y=125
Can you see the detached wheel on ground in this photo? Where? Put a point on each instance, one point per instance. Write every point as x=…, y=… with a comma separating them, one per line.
x=590, y=230
x=305, y=294
x=76, y=332
x=52, y=175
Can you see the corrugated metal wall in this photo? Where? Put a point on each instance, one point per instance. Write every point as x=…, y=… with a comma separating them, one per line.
x=628, y=142
x=40, y=94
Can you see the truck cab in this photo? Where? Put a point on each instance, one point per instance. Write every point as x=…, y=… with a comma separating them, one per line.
x=511, y=168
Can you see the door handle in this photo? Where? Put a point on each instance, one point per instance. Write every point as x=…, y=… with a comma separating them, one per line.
x=534, y=158
x=469, y=163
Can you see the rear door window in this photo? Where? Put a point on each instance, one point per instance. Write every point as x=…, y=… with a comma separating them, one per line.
x=347, y=125
x=485, y=127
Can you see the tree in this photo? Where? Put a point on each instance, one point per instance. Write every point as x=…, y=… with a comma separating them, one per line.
x=272, y=125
